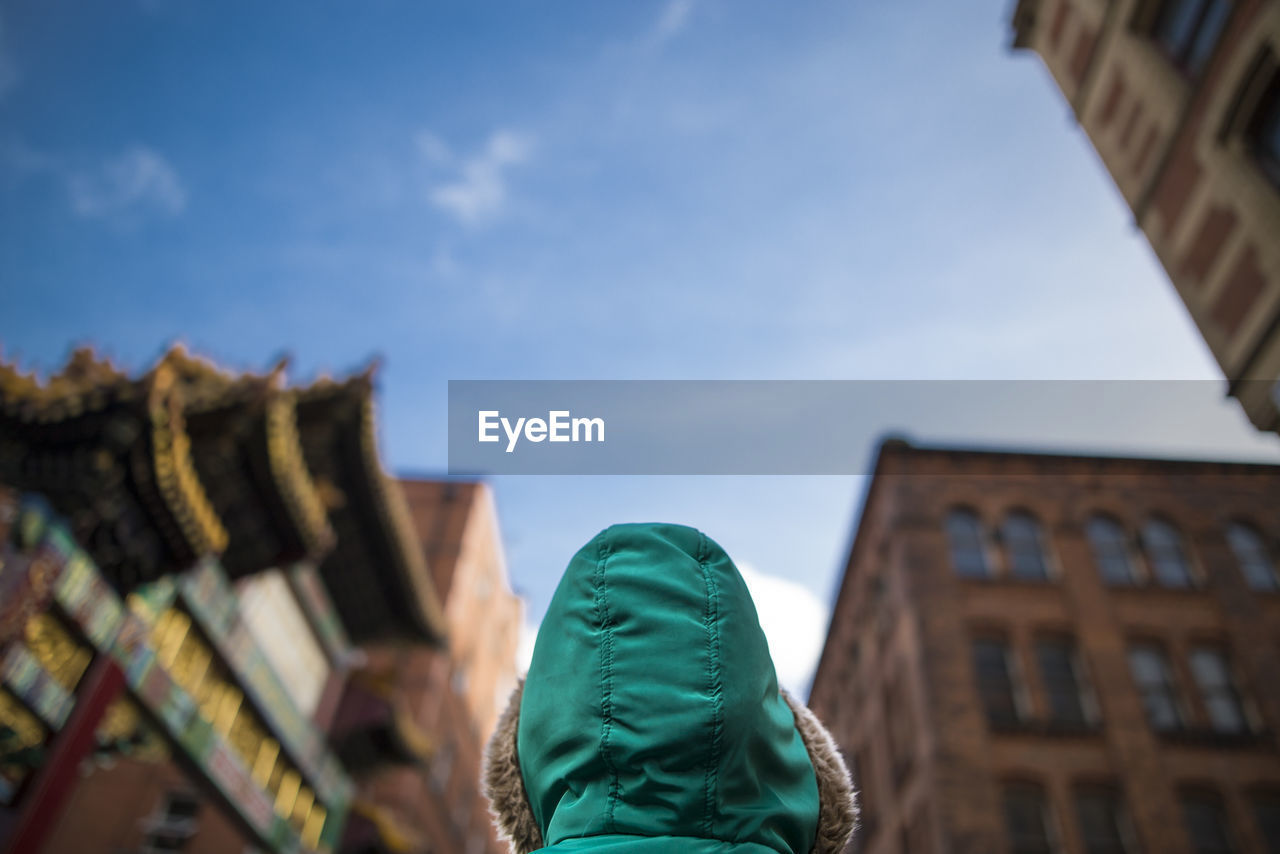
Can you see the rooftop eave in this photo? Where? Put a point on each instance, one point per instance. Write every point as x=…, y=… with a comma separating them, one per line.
x=398, y=527
x=1023, y=22
x=389, y=544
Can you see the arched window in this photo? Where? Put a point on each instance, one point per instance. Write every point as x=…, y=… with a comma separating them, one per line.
x=968, y=547
x=1166, y=554
x=1111, y=551
x=1255, y=564
x=1023, y=547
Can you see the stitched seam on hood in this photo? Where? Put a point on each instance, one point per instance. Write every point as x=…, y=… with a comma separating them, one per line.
x=606, y=681
x=711, y=618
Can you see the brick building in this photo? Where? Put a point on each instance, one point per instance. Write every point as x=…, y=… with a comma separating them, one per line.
x=1064, y=654
x=1181, y=99
x=442, y=700
x=457, y=523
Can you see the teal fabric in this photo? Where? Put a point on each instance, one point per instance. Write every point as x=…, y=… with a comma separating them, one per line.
x=651, y=718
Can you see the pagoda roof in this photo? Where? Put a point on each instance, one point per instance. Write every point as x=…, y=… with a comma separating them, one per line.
x=188, y=459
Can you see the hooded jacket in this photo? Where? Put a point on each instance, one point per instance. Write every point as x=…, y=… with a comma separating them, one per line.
x=651, y=719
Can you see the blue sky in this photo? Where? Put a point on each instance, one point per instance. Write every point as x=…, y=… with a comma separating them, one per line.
x=717, y=189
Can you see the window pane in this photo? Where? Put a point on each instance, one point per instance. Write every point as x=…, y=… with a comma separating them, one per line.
x=995, y=681
x=1221, y=701
x=1022, y=543
x=1110, y=551
x=1026, y=818
x=181, y=806
x=1154, y=680
x=1206, y=824
x=1168, y=558
x=1266, y=131
x=1266, y=809
x=166, y=841
x=968, y=552
x=1101, y=822
x=899, y=717
x=1255, y=564
x=1176, y=25
x=1207, y=34
x=1061, y=681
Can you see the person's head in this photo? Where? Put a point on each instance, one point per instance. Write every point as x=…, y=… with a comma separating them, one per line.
x=651, y=718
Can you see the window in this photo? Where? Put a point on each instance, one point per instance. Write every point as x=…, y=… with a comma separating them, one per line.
x=1111, y=551
x=174, y=825
x=1023, y=548
x=968, y=549
x=1027, y=821
x=1264, y=131
x=1060, y=673
x=1187, y=30
x=851, y=670
x=1206, y=823
x=993, y=665
x=1168, y=558
x=1221, y=700
x=1104, y=827
x=159, y=840
x=1251, y=552
x=1266, y=810
x=1155, y=683
x=898, y=716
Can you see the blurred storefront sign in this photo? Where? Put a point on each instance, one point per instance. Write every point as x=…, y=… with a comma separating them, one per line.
x=202, y=680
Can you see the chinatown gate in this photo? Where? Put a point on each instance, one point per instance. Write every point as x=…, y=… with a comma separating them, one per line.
x=190, y=561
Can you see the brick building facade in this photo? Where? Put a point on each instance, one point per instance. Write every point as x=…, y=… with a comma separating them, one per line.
x=457, y=523
x=1181, y=100
x=1044, y=653
x=445, y=698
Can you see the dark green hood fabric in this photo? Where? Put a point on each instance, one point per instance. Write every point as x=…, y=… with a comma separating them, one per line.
x=651, y=718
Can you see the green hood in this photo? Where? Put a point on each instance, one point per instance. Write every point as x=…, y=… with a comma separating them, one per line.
x=651, y=718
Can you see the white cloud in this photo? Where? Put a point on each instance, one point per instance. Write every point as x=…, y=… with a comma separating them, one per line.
x=122, y=188
x=136, y=181
x=25, y=160
x=794, y=620
x=674, y=18
x=433, y=148
x=524, y=650
x=478, y=194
